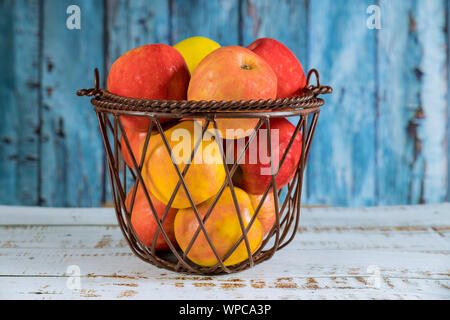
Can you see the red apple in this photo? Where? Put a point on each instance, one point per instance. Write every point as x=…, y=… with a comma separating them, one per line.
x=266, y=214
x=289, y=71
x=153, y=71
x=143, y=220
x=254, y=174
x=135, y=138
x=233, y=73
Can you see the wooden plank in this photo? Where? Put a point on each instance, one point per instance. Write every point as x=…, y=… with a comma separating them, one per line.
x=8, y=133
x=432, y=215
x=400, y=162
x=283, y=20
x=72, y=154
x=393, y=216
x=67, y=237
x=350, y=273
x=122, y=288
x=214, y=19
x=149, y=23
x=341, y=168
x=296, y=262
x=15, y=215
x=448, y=107
x=20, y=109
x=417, y=238
x=27, y=54
x=431, y=29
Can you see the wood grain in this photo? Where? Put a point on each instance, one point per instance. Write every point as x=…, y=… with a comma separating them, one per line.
x=448, y=108
x=134, y=23
x=412, y=238
x=341, y=168
x=215, y=19
x=411, y=160
x=19, y=96
x=262, y=19
x=405, y=216
x=431, y=24
x=400, y=165
x=382, y=137
x=360, y=253
x=72, y=154
x=122, y=288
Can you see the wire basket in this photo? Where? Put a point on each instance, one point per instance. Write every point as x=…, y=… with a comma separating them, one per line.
x=110, y=108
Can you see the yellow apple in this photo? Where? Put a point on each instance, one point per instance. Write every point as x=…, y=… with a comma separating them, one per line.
x=223, y=228
x=205, y=175
x=194, y=49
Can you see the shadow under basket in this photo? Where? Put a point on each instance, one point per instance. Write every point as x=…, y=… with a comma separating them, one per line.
x=303, y=111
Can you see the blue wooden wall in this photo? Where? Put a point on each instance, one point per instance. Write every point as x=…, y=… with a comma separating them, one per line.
x=383, y=137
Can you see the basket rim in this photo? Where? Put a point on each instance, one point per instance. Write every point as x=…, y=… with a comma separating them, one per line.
x=307, y=98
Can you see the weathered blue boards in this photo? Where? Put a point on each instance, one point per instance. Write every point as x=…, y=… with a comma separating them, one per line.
x=382, y=137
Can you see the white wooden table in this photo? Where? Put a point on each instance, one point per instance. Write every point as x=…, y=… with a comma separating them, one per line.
x=366, y=253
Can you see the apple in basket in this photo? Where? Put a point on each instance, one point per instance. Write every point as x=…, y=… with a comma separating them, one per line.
x=223, y=228
x=144, y=222
x=266, y=214
x=204, y=176
x=254, y=173
x=290, y=75
x=194, y=49
x=135, y=139
x=153, y=71
x=233, y=73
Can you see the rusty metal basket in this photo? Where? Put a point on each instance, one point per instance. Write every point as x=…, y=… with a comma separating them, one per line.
x=109, y=107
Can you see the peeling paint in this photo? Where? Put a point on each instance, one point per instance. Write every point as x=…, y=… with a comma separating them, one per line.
x=127, y=294
x=311, y=283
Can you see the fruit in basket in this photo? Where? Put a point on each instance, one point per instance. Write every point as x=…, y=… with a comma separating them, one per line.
x=135, y=139
x=194, y=49
x=266, y=214
x=223, y=228
x=205, y=175
x=153, y=71
x=289, y=71
x=254, y=175
x=144, y=222
x=233, y=73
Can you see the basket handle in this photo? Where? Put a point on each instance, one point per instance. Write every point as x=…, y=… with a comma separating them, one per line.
x=92, y=91
x=318, y=88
